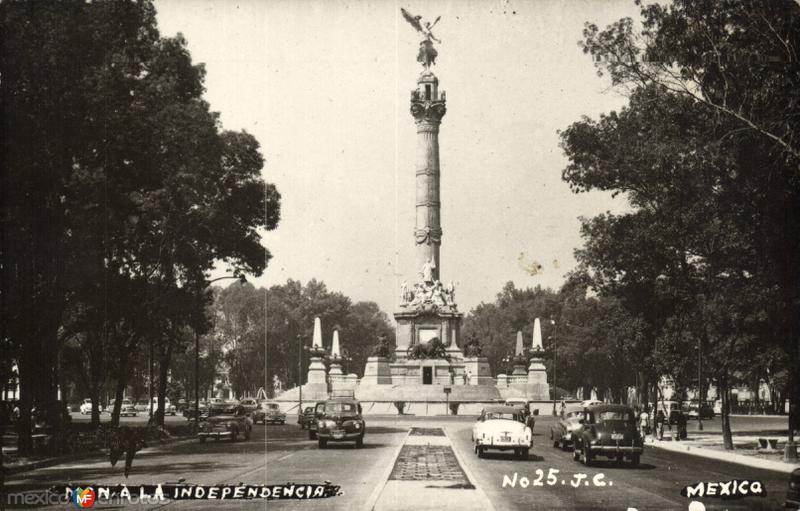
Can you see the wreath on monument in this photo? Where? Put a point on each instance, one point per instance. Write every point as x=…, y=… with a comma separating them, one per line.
x=434, y=348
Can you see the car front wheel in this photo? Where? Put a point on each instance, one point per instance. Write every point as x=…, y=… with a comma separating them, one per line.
x=575, y=452
x=359, y=442
x=481, y=451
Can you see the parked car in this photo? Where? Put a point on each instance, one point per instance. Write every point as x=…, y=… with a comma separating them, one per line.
x=793, y=493
x=250, y=404
x=608, y=430
x=86, y=407
x=341, y=421
x=313, y=422
x=269, y=412
x=562, y=433
x=503, y=428
x=305, y=418
x=169, y=409
x=226, y=420
x=127, y=409
x=590, y=402
x=142, y=406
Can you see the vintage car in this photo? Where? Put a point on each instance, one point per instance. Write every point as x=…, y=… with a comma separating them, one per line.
x=562, y=433
x=503, y=428
x=86, y=407
x=169, y=409
x=524, y=405
x=250, y=404
x=341, y=421
x=305, y=418
x=269, y=412
x=225, y=420
x=313, y=421
x=608, y=430
x=127, y=409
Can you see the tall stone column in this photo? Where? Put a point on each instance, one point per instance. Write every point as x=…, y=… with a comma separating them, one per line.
x=428, y=108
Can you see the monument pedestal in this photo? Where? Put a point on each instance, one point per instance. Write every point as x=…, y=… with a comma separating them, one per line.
x=377, y=372
x=537, y=387
x=478, y=369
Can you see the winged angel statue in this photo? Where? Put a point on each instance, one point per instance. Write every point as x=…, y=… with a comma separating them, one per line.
x=427, y=53
x=416, y=22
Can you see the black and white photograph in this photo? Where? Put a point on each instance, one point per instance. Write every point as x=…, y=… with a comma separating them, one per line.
x=400, y=255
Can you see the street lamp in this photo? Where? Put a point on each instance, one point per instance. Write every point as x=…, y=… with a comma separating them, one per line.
x=555, y=364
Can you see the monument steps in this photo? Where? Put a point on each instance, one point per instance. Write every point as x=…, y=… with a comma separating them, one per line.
x=418, y=393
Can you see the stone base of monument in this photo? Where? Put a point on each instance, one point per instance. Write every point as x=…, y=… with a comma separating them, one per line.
x=316, y=372
x=377, y=372
x=479, y=371
x=529, y=391
x=416, y=393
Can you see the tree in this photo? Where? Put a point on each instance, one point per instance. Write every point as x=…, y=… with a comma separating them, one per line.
x=121, y=194
x=707, y=166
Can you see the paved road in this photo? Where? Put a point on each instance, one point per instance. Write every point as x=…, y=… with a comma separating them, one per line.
x=281, y=454
x=656, y=484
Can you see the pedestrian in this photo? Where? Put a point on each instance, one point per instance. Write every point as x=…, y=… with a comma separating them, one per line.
x=563, y=408
x=469, y=377
x=660, y=418
x=644, y=419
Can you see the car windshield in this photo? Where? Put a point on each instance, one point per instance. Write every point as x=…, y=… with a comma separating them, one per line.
x=339, y=408
x=272, y=406
x=502, y=415
x=574, y=416
x=611, y=416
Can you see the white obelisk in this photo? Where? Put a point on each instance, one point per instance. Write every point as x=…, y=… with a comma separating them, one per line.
x=336, y=356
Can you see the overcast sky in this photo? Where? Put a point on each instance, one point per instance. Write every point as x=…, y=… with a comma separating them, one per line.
x=324, y=86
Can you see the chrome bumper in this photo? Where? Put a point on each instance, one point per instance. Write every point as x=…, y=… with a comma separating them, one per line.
x=618, y=449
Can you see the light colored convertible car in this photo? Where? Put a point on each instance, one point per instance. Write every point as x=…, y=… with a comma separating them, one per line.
x=502, y=428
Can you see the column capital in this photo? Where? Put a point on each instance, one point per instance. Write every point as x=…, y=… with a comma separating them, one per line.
x=428, y=113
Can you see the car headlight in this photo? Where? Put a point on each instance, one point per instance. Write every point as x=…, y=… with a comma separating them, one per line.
x=357, y=425
x=594, y=442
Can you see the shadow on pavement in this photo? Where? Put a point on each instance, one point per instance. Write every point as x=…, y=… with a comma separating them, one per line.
x=351, y=445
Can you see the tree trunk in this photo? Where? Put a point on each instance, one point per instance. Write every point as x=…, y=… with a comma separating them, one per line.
x=24, y=425
x=724, y=394
x=163, y=372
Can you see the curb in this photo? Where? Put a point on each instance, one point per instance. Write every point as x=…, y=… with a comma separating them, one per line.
x=741, y=459
x=376, y=493
x=51, y=462
x=487, y=503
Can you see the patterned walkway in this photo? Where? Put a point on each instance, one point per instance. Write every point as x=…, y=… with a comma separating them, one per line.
x=428, y=462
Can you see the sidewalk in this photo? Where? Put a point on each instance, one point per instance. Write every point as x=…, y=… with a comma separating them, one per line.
x=427, y=474
x=14, y=465
x=745, y=453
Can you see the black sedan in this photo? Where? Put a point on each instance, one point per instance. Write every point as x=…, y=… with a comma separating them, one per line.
x=610, y=431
